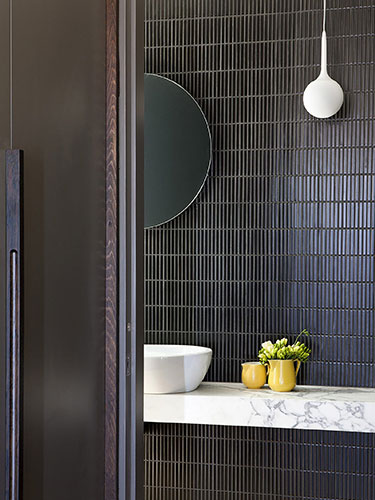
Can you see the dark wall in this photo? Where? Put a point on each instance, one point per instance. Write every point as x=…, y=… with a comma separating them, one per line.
x=4, y=142
x=281, y=237
x=59, y=121
x=201, y=462
x=4, y=80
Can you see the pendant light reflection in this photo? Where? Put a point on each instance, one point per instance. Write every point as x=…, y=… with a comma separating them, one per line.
x=324, y=96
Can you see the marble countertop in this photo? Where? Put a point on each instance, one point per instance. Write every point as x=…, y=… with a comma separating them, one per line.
x=306, y=407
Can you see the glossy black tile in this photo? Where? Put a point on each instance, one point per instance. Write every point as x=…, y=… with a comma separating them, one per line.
x=281, y=237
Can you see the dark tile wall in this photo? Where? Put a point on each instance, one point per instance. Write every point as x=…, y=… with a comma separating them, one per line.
x=282, y=235
x=198, y=462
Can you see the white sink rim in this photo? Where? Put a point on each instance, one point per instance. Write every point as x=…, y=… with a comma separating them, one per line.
x=173, y=350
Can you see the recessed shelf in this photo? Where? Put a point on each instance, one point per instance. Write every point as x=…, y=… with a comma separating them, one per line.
x=307, y=407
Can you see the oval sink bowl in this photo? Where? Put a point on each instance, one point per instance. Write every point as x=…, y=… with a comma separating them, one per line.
x=174, y=368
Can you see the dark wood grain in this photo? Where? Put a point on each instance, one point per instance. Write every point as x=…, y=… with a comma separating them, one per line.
x=13, y=160
x=111, y=334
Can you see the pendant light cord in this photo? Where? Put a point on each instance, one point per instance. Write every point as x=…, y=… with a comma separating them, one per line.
x=324, y=14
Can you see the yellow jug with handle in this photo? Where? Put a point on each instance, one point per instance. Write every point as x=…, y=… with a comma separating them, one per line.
x=253, y=375
x=282, y=374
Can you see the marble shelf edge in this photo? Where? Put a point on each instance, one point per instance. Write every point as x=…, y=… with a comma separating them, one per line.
x=345, y=409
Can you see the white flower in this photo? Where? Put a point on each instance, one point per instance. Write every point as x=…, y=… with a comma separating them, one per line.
x=267, y=346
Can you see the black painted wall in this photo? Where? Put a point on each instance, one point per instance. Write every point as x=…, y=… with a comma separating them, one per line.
x=281, y=237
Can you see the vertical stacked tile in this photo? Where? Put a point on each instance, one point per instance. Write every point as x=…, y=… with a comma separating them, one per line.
x=281, y=237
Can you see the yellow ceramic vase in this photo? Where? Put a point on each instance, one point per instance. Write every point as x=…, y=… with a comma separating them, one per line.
x=253, y=375
x=282, y=374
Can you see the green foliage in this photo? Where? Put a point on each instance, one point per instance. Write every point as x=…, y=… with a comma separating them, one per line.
x=281, y=350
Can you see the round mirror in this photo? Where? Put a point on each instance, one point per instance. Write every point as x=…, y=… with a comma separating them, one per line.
x=177, y=150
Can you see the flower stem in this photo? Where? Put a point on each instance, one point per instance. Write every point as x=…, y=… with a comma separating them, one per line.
x=304, y=332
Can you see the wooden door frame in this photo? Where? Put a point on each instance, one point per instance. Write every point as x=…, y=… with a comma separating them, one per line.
x=124, y=251
x=111, y=273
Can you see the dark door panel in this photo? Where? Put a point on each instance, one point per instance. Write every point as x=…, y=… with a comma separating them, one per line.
x=5, y=77
x=59, y=121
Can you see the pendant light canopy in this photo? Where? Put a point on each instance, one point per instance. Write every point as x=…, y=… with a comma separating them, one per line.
x=324, y=96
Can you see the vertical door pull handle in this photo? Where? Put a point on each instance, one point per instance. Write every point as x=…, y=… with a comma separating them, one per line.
x=14, y=167
x=14, y=377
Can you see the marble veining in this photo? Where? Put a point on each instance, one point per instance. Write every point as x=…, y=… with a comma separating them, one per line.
x=307, y=407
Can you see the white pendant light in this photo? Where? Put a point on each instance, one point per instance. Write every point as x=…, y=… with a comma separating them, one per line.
x=323, y=97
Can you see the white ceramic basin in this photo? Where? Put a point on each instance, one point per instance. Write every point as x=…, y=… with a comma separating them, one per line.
x=174, y=368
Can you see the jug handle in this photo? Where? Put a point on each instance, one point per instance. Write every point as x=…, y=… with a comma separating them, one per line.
x=267, y=369
x=298, y=365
